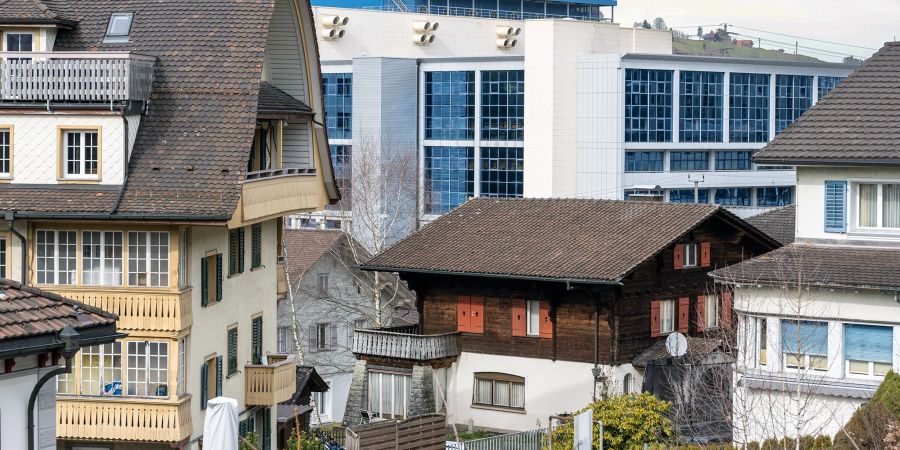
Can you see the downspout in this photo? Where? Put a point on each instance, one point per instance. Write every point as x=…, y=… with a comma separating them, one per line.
x=10, y=222
x=34, y=393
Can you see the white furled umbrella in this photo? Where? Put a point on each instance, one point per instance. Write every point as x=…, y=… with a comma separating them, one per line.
x=220, y=430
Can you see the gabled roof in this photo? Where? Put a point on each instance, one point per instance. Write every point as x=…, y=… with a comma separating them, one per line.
x=778, y=223
x=32, y=12
x=819, y=265
x=858, y=123
x=696, y=347
x=303, y=248
x=274, y=102
x=27, y=311
x=594, y=241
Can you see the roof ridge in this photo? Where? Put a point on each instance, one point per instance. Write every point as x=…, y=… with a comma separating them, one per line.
x=45, y=9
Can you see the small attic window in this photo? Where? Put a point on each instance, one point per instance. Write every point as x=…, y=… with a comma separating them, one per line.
x=119, y=27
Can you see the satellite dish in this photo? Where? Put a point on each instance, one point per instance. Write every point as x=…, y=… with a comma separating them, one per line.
x=676, y=344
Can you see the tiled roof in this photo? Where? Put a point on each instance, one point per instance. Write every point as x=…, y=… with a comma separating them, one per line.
x=274, y=101
x=31, y=12
x=858, y=122
x=27, y=311
x=819, y=265
x=696, y=346
x=303, y=248
x=23, y=199
x=566, y=239
x=777, y=223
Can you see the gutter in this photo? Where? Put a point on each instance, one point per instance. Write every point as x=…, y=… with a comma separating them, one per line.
x=118, y=216
x=829, y=162
x=489, y=275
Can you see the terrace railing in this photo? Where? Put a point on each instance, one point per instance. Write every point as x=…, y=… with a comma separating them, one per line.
x=415, y=347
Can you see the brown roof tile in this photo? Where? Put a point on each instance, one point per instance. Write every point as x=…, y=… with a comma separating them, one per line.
x=597, y=240
x=819, y=265
x=302, y=248
x=777, y=223
x=859, y=121
x=31, y=12
x=23, y=199
x=28, y=311
x=275, y=102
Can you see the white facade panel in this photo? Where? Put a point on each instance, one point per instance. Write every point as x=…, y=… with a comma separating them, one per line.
x=600, y=133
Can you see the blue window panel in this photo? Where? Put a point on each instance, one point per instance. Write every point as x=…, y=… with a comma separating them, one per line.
x=835, y=206
x=502, y=171
x=533, y=8
x=450, y=105
x=643, y=161
x=461, y=4
x=338, y=96
x=775, y=196
x=826, y=84
x=687, y=161
x=733, y=196
x=793, y=96
x=869, y=343
x=449, y=178
x=804, y=337
x=700, y=106
x=687, y=195
x=648, y=105
x=555, y=9
x=748, y=118
x=486, y=4
x=503, y=105
x=733, y=160
x=341, y=161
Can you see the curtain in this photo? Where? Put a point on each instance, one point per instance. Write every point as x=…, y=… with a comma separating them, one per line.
x=483, y=391
x=501, y=393
x=890, y=205
x=868, y=343
x=386, y=395
x=518, y=395
x=400, y=395
x=868, y=205
x=374, y=392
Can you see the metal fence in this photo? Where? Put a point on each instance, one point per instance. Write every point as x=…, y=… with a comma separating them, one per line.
x=526, y=440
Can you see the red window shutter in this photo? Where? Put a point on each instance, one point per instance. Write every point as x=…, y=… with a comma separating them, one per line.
x=654, y=318
x=679, y=256
x=477, y=318
x=705, y=256
x=518, y=318
x=684, y=304
x=463, y=312
x=546, y=330
x=727, y=300
x=701, y=313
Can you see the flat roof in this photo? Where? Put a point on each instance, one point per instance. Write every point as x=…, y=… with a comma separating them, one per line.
x=731, y=60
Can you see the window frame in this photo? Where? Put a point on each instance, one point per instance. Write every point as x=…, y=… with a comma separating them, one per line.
x=502, y=91
x=379, y=375
x=184, y=258
x=667, y=316
x=5, y=256
x=162, y=370
x=449, y=177
x=870, y=373
x=856, y=203
x=690, y=256
x=446, y=91
x=148, y=260
x=533, y=312
x=55, y=271
x=645, y=161
x=682, y=164
x=181, y=377
x=102, y=258
x=231, y=351
x=494, y=378
x=109, y=36
x=804, y=358
x=9, y=149
x=712, y=311
x=102, y=353
x=63, y=175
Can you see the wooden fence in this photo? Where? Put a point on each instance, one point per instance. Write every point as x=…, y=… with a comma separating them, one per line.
x=427, y=432
x=526, y=440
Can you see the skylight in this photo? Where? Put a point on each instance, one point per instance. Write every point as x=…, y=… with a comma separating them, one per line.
x=119, y=27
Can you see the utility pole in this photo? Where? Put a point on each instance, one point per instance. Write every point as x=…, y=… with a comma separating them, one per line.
x=696, y=180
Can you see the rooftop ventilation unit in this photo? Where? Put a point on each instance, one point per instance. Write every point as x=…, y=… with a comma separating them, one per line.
x=506, y=36
x=423, y=32
x=333, y=27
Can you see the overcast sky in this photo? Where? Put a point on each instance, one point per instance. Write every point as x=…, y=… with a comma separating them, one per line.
x=866, y=23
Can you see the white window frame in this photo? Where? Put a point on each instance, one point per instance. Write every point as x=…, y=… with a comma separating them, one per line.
x=82, y=161
x=476, y=401
x=183, y=259
x=761, y=346
x=102, y=352
x=870, y=373
x=55, y=272
x=285, y=339
x=690, y=255
x=6, y=149
x=854, y=206
x=161, y=371
x=181, y=376
x=533, y=317
x=712, y=313
x=101, y=274
x=148, y=260
x=328, y=340
x=324, y=404
x=666, y=316
x=376, y=379
x=322, y=283
x=34, y=40
x=4, y=254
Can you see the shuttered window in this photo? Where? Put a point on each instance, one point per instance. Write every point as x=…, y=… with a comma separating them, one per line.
x=683, y=309
x=835, y=206
x=868, y=349
x=204, y=384
x=211, y=279
x=232, y=350
x=236, y=251
x=257, y=340
x=804, y=344
x=256, y=238
x=267, y=429
x=218, y=376
x=470, y=314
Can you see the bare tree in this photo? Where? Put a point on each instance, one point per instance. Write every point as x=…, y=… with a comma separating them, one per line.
x=659, y=24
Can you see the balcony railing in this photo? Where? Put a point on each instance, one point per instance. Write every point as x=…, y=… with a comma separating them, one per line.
x=139, y=311
x=123, y=419
x=415, y=347
x=274, y=193
x=76, y=77
x=270, y=384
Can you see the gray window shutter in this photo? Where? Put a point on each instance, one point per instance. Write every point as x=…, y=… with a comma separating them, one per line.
x=313, y=337
x=835, y=206
x=257, y=340
x=219, y=277
x=218, y=376
x=204, y=281
x=204, y=388
x=267, y=429
x=241, y=250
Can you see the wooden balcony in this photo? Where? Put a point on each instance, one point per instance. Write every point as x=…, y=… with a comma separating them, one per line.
x=138, y=310
x=274, y=193
x=77, y=77
x=123, y=419
x=270, y=384
x=407, y=346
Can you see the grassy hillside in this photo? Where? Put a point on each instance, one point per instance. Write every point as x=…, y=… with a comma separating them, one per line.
x=712, y=48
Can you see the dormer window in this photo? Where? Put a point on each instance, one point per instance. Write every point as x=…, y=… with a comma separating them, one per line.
x=19, y=42
x=119, y=27
x=80, y=154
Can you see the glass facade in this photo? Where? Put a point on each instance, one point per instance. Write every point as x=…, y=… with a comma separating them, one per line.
x=733, y=160
x=748, y=119
x=733, y=196
x=502, y=170
x=775, y=196
x=793, y=96
x=503, y=105
x=648, y=105
x=341, y=161
x=338, y=96
x=643, y=161
x=449, y=177
x=701, y=96
x=687, y=161
x=450, y=105
x=826, y=84
x=687, y=195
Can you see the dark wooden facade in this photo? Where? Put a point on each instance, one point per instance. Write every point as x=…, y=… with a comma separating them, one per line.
x=592, y=323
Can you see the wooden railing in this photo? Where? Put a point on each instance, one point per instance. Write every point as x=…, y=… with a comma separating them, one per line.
x=71, y=76
x=143, y=311
x=414, y=347
x=270, y=384
x=123, y=419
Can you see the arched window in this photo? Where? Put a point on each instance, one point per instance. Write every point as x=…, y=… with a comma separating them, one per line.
x=627, y=384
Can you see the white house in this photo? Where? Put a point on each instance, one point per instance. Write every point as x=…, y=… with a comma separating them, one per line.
x=819, y=320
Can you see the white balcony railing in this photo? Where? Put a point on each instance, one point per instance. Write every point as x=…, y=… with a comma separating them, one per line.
x=77, y=77
x=416, y=347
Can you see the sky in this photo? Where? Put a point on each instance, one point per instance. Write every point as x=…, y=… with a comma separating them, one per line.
x=862, y=23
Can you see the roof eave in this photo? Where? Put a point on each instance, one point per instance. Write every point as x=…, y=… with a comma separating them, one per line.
x=58, y=23
x=827, y=162
x=568, y=280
